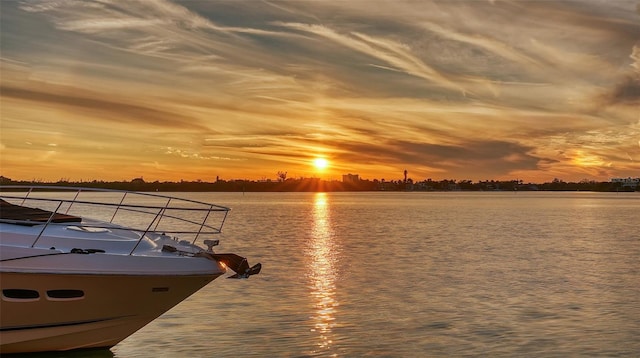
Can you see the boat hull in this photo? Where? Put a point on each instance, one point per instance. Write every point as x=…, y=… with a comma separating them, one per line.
x=82, y=268
x=74, y=311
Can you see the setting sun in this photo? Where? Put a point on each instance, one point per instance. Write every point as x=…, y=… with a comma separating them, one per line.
x=255, y=99
x=320, y=163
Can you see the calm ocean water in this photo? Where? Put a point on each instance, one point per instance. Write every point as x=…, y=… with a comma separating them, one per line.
x=391, y=274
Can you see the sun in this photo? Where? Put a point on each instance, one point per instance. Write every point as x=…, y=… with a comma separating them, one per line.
x=320, y=163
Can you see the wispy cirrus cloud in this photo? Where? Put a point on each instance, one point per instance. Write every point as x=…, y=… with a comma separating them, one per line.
x=395, y=55
x=110, y=109
x=444, y=89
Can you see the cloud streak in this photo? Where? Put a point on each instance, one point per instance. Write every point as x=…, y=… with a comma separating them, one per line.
x=474, y=90
x=112, y=110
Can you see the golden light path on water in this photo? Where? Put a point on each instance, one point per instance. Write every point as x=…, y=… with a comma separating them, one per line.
x=322, y=273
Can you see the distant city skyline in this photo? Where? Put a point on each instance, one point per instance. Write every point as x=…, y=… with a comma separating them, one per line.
x=189, y=89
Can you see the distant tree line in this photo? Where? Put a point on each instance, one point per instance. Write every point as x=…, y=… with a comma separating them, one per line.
x=283, y=184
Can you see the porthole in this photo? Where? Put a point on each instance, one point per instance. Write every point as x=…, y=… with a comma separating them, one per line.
x=63, y=295
x=16, y=294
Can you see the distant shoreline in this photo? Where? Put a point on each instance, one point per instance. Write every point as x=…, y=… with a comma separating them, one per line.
x=319, y=185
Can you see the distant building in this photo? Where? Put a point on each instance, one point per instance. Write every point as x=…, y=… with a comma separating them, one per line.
x=350, y=178
x=627, y=182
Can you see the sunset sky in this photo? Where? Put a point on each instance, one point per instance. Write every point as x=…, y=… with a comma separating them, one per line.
x=243, y=89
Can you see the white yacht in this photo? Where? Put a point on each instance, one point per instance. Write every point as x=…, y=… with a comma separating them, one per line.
x=86, y=268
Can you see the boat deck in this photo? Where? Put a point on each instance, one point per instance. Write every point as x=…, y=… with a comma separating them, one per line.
x=22, y=214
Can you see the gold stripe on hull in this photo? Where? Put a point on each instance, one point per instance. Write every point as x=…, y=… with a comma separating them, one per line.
x=111, y=308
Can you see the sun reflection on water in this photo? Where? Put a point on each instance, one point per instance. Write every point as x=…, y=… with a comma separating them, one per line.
x=322, y=273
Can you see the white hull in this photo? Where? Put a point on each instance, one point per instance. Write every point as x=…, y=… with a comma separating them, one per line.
x=71, y=282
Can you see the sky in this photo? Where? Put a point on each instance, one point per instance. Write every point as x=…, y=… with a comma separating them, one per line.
x=175, y=90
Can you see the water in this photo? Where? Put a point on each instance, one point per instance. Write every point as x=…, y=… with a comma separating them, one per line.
x=415, y=274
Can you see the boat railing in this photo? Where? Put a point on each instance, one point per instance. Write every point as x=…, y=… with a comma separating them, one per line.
x=141, y=212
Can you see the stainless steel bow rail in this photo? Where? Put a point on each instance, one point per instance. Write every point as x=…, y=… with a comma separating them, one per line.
x=108, y=209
